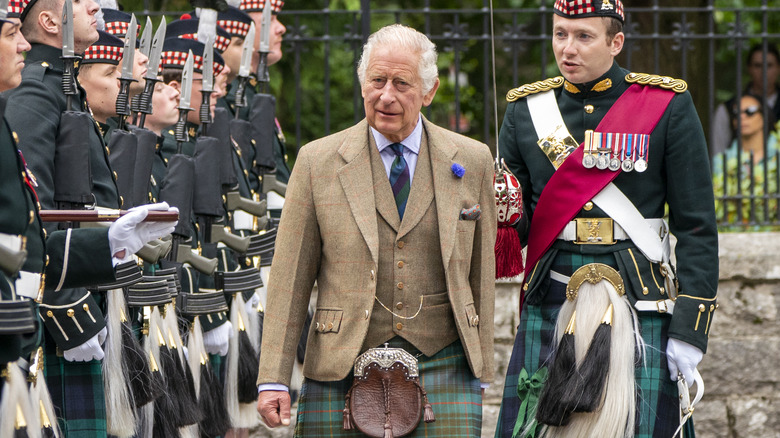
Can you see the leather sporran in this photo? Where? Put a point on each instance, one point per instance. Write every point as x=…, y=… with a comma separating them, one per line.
x=386, y=399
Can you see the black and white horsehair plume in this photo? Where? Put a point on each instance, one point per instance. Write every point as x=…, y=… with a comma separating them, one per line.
x=564, y=366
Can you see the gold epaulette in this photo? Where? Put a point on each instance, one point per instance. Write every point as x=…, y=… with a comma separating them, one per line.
x=533, y=88
x=666, y=82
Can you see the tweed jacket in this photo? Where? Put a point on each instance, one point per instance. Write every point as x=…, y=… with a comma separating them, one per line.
x=328, y=234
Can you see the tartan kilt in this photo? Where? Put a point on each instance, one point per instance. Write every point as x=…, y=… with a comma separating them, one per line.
x=453, y=391
x=77, y=394
x=657, y=402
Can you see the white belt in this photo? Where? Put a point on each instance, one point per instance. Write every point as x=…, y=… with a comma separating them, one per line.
x=29, y=285
x=569, y=232
x=243, y=220
x=660, y=306
x=13, y=242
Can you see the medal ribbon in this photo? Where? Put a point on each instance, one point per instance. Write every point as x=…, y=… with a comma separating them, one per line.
x=559, y=202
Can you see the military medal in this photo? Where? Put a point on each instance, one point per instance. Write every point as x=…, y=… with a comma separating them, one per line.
x=641, y=162
x=588, y=160
x=602, y=162
x=617, y=146
x=628, y=164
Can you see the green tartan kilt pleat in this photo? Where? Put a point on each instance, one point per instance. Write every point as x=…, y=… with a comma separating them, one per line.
x=657, y=402
x=77, y=394
x=453, y=391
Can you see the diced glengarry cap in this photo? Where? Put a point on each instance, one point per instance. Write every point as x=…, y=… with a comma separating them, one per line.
x=234, y=21
x=106, y=50
x=590, y=8
x=188, y=28
x=174, y=55
x=117, y=22
x=15, y=8
x=258, y=5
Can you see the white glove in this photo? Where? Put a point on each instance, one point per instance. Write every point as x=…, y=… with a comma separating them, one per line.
x=217, y=340
x=90, y=350
x=251, y=303
x=130, y=232
x=682, y=358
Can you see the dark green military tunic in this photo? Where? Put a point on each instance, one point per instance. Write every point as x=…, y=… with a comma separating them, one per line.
x=280, y=149
x=71, y=316
x=677, y=176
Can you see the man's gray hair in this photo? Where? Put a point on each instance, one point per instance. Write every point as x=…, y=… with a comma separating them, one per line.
x=407, y=39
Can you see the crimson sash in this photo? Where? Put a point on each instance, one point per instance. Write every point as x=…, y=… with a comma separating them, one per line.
x=637, y=111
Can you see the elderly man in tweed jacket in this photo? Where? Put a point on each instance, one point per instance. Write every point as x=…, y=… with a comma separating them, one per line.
x=395, y=220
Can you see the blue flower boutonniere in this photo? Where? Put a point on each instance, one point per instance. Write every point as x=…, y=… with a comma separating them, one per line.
x=458, y=170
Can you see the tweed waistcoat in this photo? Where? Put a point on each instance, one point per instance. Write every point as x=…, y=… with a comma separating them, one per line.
x=410, y=264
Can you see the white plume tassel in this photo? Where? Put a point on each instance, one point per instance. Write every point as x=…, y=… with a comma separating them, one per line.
x=120, y=409
x=242, y=415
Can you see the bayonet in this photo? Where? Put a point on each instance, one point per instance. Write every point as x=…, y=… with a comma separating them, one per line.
x=180, y=131
x=3, y=9
x=128, y=59
x=247, y=50
x=144, y=47
x=68, y=53
x=265, y=47
x=207, y=86
x=155, y=52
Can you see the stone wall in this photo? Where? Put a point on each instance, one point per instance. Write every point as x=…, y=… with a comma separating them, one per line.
x=741, y=369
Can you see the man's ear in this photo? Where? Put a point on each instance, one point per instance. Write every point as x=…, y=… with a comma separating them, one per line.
x=175, y=84
x=49, y=23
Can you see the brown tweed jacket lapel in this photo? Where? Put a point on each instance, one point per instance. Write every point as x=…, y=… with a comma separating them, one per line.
x=446, y=187
x=421, y=195
x=356, y=179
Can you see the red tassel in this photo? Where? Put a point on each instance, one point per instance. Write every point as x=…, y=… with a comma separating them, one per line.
x=509, y=253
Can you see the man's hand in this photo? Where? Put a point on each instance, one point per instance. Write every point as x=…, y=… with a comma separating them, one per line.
x=129, y=233
x=682, y=357
x=90, y=350
x=274, y=408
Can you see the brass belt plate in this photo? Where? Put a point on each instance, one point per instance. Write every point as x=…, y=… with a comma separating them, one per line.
x=595, y=231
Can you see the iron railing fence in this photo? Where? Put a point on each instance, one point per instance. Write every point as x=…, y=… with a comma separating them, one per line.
x=706, y=45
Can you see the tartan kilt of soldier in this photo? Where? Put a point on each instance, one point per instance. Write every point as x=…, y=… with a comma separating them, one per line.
x=77, y=394
x=453, y=391
x=657, y=399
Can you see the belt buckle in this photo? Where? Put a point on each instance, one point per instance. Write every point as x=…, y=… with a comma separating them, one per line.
x=661, y=306
x=594, y=231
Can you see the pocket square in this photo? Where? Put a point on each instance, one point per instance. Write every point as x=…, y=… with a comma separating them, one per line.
x=470, y=214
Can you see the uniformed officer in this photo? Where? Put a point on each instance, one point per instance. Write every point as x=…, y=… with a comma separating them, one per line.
x=73, y=318
x=598, y=255
x=98, y=75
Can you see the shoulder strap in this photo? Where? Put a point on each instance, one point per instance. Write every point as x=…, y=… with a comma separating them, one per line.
x=558, y=204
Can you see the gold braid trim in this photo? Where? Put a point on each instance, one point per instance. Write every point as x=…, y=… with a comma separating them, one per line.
x=533, y=88
x=666, y=82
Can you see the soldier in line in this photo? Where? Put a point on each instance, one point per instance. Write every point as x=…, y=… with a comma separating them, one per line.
x=604, y=278
x=255, y=10
x=75, y=327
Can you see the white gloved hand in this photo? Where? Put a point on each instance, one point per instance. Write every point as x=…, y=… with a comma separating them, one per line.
x=129, y=233
x=251, y=303
x=90, y=350
x=217, y=340
x=682, y=358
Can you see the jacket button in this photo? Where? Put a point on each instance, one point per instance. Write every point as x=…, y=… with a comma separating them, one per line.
x=588, y=206
x=399, y=326
x=367, y=314
x=401, y=244
x=70, y=313
x=589, y=109
x=316, y=326
x=371, y=274
x=399, y=306
x=86, y=307
x=400, y=285
x=330, y=326
x=400, y=264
